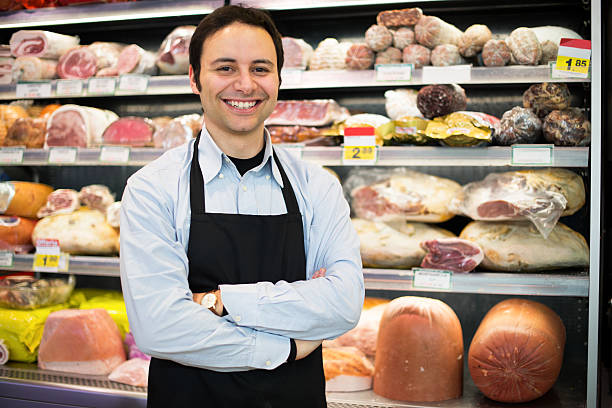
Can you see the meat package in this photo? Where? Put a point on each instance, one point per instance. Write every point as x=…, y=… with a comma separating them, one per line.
x=177, y=131
x=43, y=44
x=567, y=127
x=133, y=372
x=451, y=254
x=23, y=198
x=445, y=55
x=346, y=369
x=419, y=355
x=440, y=100
x=34, y=69
x=546, y=97
x=518, y=125
x=130, y=131
x=402, y=37
x=82, y=342
x=417, y=55
x=173, y=54
x=61, y=201
x=540, y=196
x=431, y=31
x=519, y=246
x=28, y=292
x=496, y=53
x=113, y=214
x=77, y=63
x=517, y=351
x=96, y=197
x=394, y=244
x=84, y=232
x=383, y=126
x=28, y=132
x=391, y=55
x=16, y=234
x=328, y=55
x=315, y=112
x=78, y=126
x=6, y=70
x=132, y=60
x=400, y=194
x=297, y=53
x=296, y=134
x=463, y=129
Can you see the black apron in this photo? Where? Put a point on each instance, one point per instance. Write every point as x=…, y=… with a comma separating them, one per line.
x=234, y=249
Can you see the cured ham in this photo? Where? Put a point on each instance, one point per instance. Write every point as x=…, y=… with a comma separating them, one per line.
x=130, y=131
x=346, y=369
x=451, y=254
x=43, y=44
x=173, y=54
x=79, y=126
x=62, y=201
x=96, y=197
x=77, y=63
x=316, y=112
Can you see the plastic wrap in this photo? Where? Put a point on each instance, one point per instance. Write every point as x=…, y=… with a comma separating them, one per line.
x=113, y=214
x=96, y=197
x=440, y=100
x=297, y=52
x=567, y=127
x=107, y=53
x=173, y=53
x=463, y=129
x=177, y=131
x=133, y=350
x=27, y=292
x=409, y=130
x=451, y=254
x=134, y=372
x=314, y=112
x=378, y=37
x=401, y=102
x=545, y=97
x=518, y=125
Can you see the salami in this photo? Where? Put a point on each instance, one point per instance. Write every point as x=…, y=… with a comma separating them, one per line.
x=545, y=97
x=173, y=54
x=431, y=31
x=403, y=37
x=77, y=63
x=297, y=52
x=473, y=39
x=328, y=55
x=496, y=53
x=397, y=18
x=378, y=37
x=34, y=69
x=416, y=54
x=525, y=47
x=389, y=56
x=445, y=55
x=42, y=44
x=440, y=100
x=359, y=56
x=62, y=201
x=106, y=53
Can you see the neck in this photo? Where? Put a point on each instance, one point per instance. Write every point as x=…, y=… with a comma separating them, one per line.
x=241, y=145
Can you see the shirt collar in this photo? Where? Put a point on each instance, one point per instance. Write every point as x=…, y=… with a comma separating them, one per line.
x=211, y=157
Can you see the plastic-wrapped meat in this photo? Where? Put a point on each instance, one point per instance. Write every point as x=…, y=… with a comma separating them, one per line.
x=173, y=54
x=34, y=69
x=6, y=70
x=389, y=56
x=26, y=132
x=135, y=60
x=77, y=63
x=96, y=197
x=431, y=31
x=78, y=126
x=315, y=112
x=496, y=53
x=297, y=52
x=518, y=125
x=473, y=39
x=416, y=54
x=378, y=37
x=451, y=254
x=129, y=131
x=113, y=217
x=525, y=47
x=401, y=102
x=545, y=97
x=402, y=37
x=445, y=55
x=133, y=372
x=328, y=55
x=178, y=131
x=397, y=18
x=359, y=56
x=16, y=234
x=567, y=127
x=107, y=53
x=440, y=100
x=42, y=44
x=62, y=201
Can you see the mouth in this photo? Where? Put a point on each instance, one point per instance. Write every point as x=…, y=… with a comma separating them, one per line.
x=242, y=106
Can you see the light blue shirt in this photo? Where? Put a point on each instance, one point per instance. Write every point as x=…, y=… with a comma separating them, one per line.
x=155, y=221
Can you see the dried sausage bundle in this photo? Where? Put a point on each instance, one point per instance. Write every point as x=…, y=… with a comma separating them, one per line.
x=440, y=100
x=545, y=97
x=567, y=127
x=431, y=31
x=518, y=125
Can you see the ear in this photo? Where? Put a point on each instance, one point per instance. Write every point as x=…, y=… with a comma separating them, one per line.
x=192, y=81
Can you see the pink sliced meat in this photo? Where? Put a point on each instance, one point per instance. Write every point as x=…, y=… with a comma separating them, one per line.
x=39, y=43
x=78, y=63
x=128, y=59
x=67, y=128
x=62, y=201
x=369, y=203
x=317, y=112
x=497, y=209
x=97, y=197
x=130, y=131
x=451, y=254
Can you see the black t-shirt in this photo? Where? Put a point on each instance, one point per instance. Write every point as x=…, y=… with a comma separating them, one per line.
x=244, y=165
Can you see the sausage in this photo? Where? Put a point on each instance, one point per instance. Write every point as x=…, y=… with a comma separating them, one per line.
x=378, y=37
x=545, y=97
x=567, y=127
x=402, y=37
x=518, y=125
x=389, y=56
x=397, y=18
x=473, y=39
x=359, y=56
x=416, y=54
x=496, y=53
x=445, y=55
x=431, y=31
x=525, y=47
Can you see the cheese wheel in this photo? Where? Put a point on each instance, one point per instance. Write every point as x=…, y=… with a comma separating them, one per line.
x=22, y=198
x=419, y=355
x=517, y=351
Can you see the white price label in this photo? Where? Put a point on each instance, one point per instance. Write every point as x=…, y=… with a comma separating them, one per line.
x=532, y=154
x=115, y=154
x=33, y=90
x=394, y=72
x=291, y=76
x=13, y=155
x=133, y=83
x=69, y=87
x=62, y=155
x=447, y=75
x=431, y=279
x=6, y=259
x=101, y=86
x=296, y=149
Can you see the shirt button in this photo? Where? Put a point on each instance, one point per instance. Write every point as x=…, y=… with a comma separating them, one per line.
x=268, y=363
x=221, y=176
x=268, y=177
x=244, y=188
x=238, y=318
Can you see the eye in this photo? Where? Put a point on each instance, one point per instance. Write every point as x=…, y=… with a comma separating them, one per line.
x=261, y=70
x=224, y=68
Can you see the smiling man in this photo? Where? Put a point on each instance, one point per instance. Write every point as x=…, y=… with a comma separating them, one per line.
x=237, y=259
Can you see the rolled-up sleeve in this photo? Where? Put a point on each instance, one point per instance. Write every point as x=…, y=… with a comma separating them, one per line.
x=165, y=321
x=313, y=309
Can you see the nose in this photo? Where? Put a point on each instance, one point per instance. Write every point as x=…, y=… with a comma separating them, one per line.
x=244, y=82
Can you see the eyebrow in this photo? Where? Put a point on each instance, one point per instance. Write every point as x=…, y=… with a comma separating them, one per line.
x=257, y=61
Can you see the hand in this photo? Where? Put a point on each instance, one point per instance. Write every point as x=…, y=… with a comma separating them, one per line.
x=319, y=274
x=305, y=347
x=197, y=297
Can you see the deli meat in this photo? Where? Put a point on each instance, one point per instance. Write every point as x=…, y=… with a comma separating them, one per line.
x=81, y=341
x=297, y=52
x=133, y=372
x=546, y=97
x=416, y=54
x=378, y=37
x=26, y=132
x=135, y=60
x=445, y=55
x=79, y=126
x=431, y=31
x=359, y=56
x=34, y=69
x=451, y=254
x=177, y=131
x=440, y=100
x=6, y=70
x=62, y=201
x=391, y=55
x=107, y=53
x=130, y=131
x=346, y=369
x=419, y=356
x=113, y=214
x=96, y=197
x=402, y=37
x=173, y=54
x=567, y=127
x=22, y=198
x=397, y=18
x=316, y=112
x=43, y=44
x=518, y=125
x=16, y=234
x=473, y=39
x=77, y=63
x=525, y=47
x=496, y=53
x=517, y=351
x=329, y=54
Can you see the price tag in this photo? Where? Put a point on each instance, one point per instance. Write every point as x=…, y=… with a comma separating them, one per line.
x=532, y=154
x=11, y=155
x=6, y=259
x=296, y=149
x=359, y=146
x=133, y=83
x=47, y=256
x=101, y=86
x=62, y=155
x=394, y=72
x=431, y=279
x=573, y=58
x=115, y=154
x=69, y=87
x=33, y=90
x=447, y=75
x=292, y=76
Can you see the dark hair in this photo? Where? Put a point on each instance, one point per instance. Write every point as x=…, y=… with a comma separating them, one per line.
x=224, y=16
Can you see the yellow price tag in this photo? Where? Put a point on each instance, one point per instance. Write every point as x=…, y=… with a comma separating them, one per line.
x=359, y=153
x=46, y=261
x=572, y=64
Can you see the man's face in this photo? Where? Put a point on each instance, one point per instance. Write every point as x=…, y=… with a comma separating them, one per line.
x=239, y=79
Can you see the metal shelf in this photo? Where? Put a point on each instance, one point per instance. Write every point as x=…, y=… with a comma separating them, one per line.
x=98, y=13
x=332, y=156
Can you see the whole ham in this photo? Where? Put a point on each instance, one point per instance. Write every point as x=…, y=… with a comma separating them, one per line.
x=79, y=126
x=77, y=63
x=135, y=60
x=107, y=53
x=130, y=131
x=62, y=201
x=297, y=52
x=133, y=372
x=16, y=234
x=177, y=131
x=451, y=254
x=173, y=54
x=96, y=197
x=34, y=69
x=316, y=112
x=43, y=44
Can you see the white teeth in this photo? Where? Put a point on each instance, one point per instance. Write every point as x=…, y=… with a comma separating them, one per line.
x=242, y=105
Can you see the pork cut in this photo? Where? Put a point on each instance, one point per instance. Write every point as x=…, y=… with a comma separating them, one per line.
x=173, y=54
x=43, y=44
x=451, y=254
x=77, y=63
x=134, y=60
x=61, y=201
x=315, y=112
x=96, y=197
x=297, y=52
x=133, y=372
x=363, y=336
x=177, y=131
x=107, y=53
x=79, y=126
x=130, y=131
x=34, y=69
